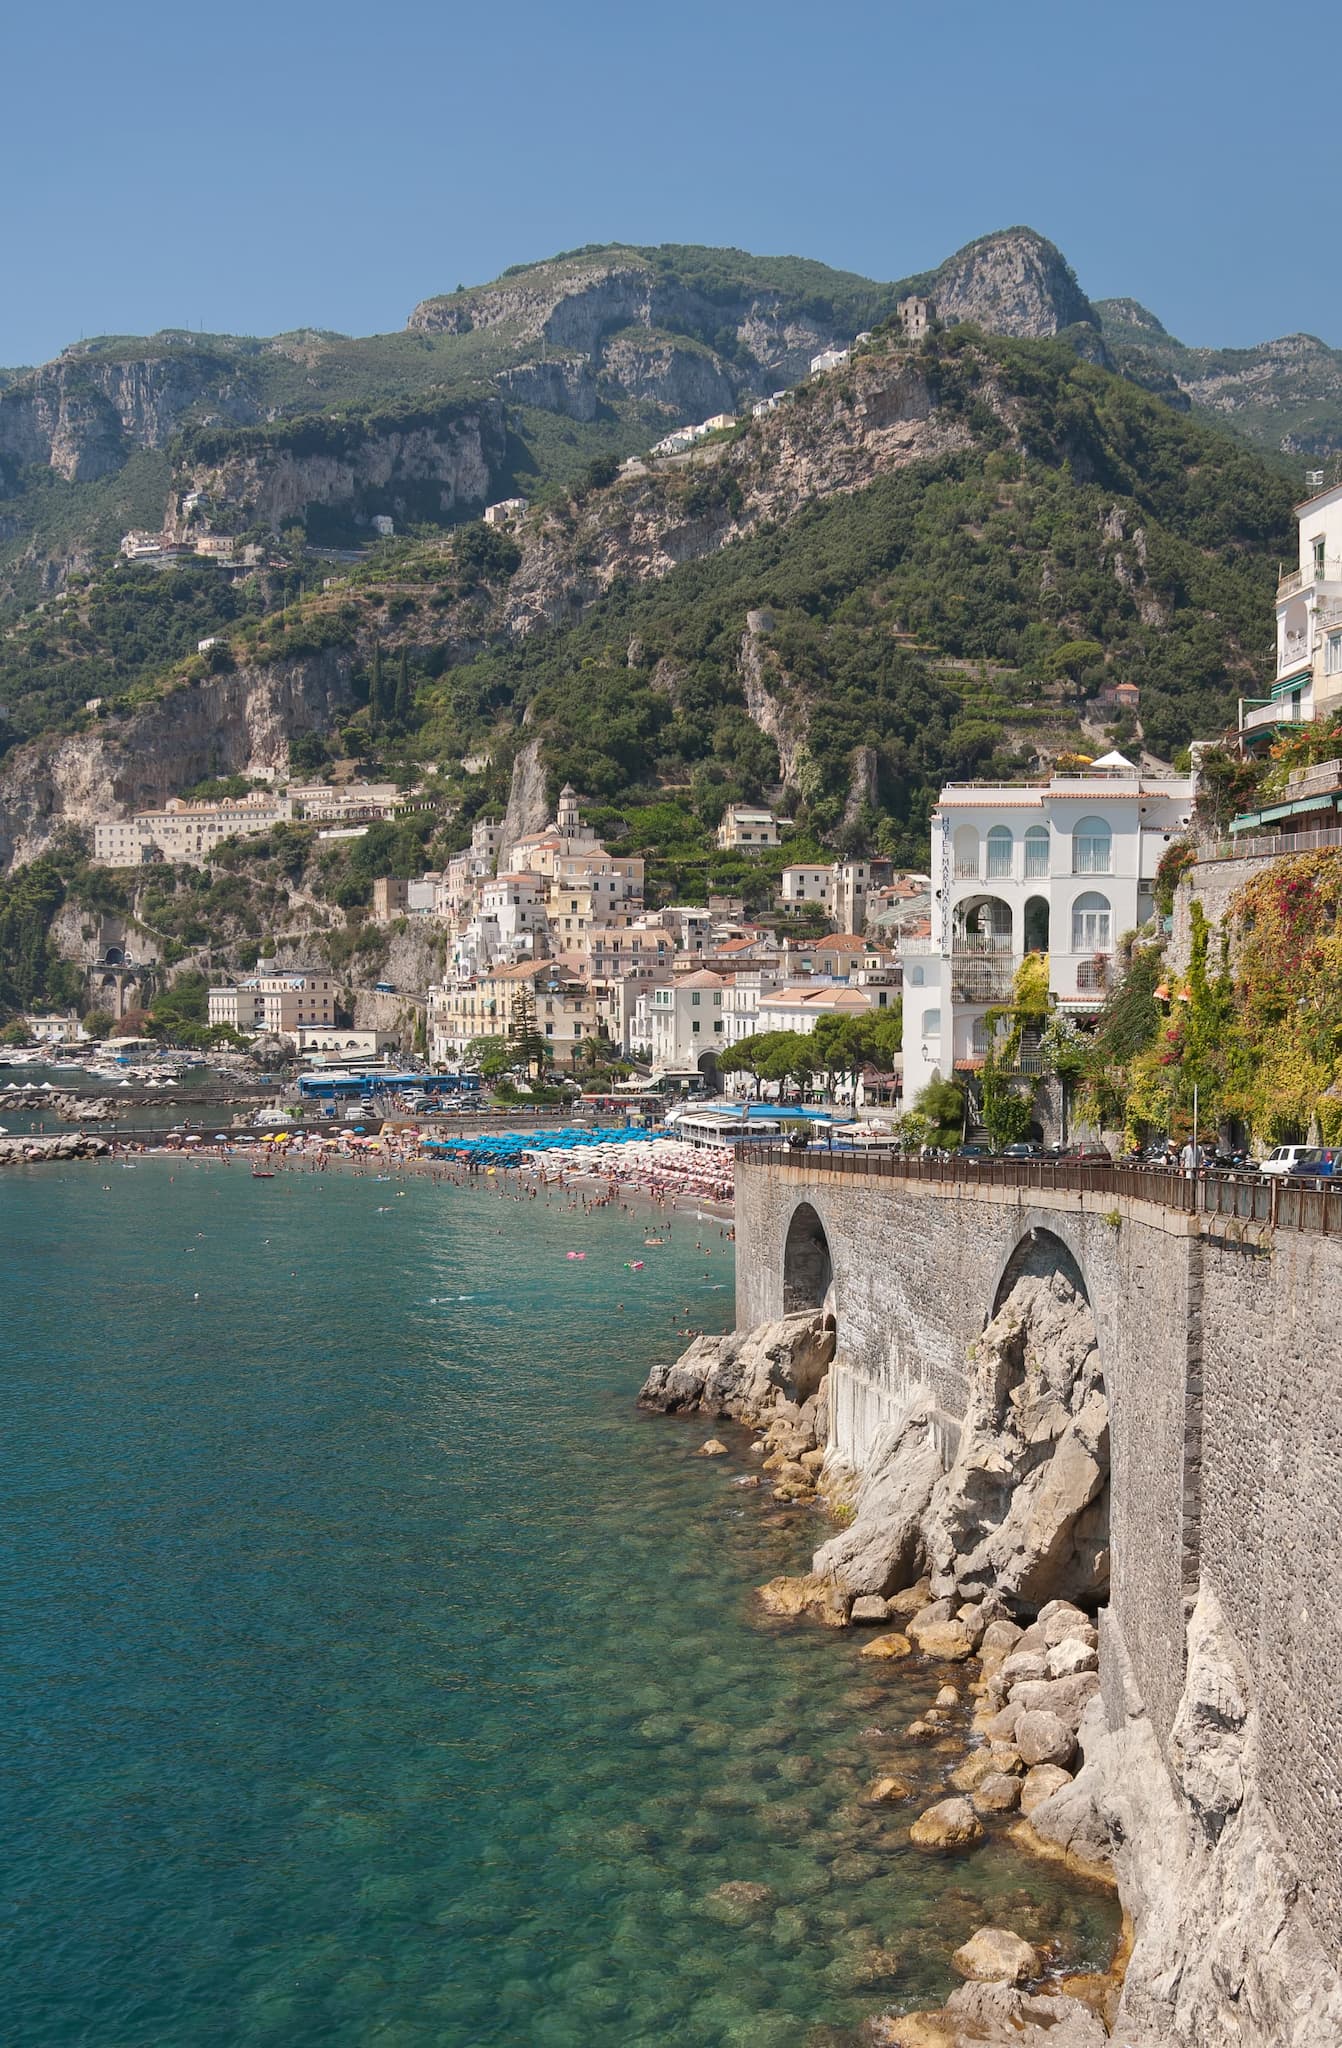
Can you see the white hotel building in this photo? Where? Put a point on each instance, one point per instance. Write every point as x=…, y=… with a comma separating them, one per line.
x=1064, y=868
x=1308, y=680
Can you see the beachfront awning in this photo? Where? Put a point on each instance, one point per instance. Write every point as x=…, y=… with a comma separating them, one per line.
x=1250, y=819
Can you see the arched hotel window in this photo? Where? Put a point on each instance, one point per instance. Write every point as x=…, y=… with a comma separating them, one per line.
x=1092, y=847
x=1036, y=852
x=1092, y=924
x=966, y=853
x=1000, y=847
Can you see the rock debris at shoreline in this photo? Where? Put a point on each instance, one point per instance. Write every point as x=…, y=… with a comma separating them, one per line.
x=985, y=1579
x=37, y=1150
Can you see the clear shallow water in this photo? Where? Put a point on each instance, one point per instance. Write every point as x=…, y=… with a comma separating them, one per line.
x=374, y=1673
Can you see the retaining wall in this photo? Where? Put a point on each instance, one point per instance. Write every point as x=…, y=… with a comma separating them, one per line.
x=1222, y=1364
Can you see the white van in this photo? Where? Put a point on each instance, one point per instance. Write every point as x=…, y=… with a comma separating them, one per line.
x=1282, y=1158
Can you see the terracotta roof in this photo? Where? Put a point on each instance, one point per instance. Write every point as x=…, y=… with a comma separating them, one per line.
x=701, y=978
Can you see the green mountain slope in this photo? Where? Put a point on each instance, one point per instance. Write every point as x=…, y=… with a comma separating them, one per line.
x=928, y=562
x=592, y=354
x=1284, y=395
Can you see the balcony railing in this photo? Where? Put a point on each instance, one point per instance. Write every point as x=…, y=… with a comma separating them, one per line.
x=1277, y=711
x=1276, y=845
x=983, y=976
x=1241, y=1202
x=1327, y=571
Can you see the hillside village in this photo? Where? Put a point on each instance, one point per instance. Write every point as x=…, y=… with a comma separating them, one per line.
x=549, y=934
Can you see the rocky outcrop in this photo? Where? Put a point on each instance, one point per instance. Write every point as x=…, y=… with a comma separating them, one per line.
x=564, y=384
x=1224, y=1955
x=746, y=1374
x=234, y=724
x=438, y=466
x=1024, y=1507
x=1014, y=282
x=85, y=413
x=882, y=1548
x=657, y=369
x=528, y=807
x=995, y=2015
x=1022, y=1510
x=41, y=1151
x=785, y=725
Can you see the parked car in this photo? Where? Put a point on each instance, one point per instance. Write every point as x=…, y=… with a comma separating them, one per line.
x=1282, y=1158
x=1087, y=1155
x=972, y=1153
x=1321, y=1162
x=1026, y=1149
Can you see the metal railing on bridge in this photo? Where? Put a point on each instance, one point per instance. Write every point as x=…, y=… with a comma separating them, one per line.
x=1271, y=1202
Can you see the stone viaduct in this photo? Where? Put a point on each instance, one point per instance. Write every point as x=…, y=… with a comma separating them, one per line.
x=1221, y=1342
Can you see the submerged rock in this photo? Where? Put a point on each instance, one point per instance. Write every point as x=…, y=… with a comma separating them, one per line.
x=888, y=1646
x=714, y=1448
x=887, y=1791
x=738, y=1902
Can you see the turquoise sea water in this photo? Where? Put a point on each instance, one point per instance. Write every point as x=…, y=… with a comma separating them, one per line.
x=374, y=1673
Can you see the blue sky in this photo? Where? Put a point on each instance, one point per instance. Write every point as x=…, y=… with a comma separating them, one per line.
x=253, y=168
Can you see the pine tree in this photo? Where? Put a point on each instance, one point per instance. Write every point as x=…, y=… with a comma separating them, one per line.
x=404, y=695
x=376, y=707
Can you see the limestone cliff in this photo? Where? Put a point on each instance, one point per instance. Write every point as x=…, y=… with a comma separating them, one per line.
x=563, y=384
x=528, y=809
x=83, y=414
x=880, y=415
x=577, y=303
x=437, y=466
x=692, y=383
x=234, y=724
x=1014, y=282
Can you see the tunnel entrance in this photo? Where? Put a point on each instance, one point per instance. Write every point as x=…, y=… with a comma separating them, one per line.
x=808, y=1270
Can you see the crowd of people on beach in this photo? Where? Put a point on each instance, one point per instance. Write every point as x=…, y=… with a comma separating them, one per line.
x=665, y=1172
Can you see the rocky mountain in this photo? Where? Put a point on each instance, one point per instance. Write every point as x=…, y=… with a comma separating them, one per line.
x=235, y=724
x=1010, y=283
x=429, y=463
x=928, y=561
x=619, y=343
x=1284, y=395
x=587, y=355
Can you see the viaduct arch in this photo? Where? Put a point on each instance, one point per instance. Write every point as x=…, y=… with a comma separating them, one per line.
x=1219, y=1353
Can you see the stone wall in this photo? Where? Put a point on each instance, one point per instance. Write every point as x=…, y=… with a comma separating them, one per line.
x=1221, y=1367
x=1211, y=883
x=1272, y=1526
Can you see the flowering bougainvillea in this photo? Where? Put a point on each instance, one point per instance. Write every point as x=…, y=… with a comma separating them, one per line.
x=1256, y=1027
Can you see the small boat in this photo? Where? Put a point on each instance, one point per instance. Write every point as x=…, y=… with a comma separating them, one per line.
x=263, y=1173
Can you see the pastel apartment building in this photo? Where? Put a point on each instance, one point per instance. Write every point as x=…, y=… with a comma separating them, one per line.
x=747, y=826
x=283, y=1002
